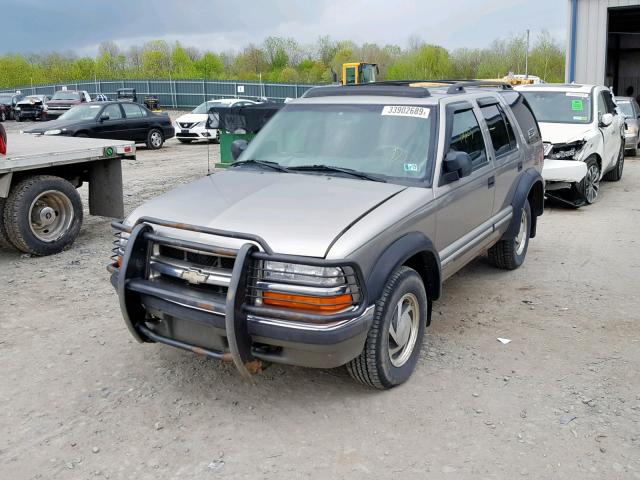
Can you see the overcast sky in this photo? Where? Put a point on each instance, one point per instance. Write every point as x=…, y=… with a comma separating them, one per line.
x=37, y=26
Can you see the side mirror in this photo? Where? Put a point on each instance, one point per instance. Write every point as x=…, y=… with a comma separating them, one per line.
x=237, y=147
x=455, y=166
x=104, y=117
x=606, y=120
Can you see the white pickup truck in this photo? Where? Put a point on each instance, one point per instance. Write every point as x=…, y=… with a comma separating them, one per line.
x=40, y=209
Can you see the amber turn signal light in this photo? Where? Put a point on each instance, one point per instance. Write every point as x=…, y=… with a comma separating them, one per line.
x=322, y=305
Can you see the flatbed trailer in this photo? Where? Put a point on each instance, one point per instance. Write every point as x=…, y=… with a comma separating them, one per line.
x=40, y=208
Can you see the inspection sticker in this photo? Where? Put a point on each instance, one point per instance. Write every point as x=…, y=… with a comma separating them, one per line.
x=405, y=111
x=577, y=105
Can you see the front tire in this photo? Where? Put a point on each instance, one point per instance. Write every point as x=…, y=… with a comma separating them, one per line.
x=589, y=187
x=394, y=341
x=509, y=254
x=155, y=139
x=43, y=215
x=616, y=174
x=3, y=116
x=18, y=117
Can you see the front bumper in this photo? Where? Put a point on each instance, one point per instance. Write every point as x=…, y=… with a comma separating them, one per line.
x=228, y=326
x=564, y=171
x=631, y=140
x=195, y=133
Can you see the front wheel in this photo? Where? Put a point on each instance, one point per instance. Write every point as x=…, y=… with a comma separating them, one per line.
x=154, y=139
x=43, y=215
x=508, y=254
x=588, y=188
x=18, y=117
x=394, y=340
x=3, y=116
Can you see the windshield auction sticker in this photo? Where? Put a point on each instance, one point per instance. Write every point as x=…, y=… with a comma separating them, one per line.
x=405, y=111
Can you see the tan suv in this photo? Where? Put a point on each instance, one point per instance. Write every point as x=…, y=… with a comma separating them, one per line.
x=328, y=240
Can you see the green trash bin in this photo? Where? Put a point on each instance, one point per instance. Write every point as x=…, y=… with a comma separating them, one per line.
x=226, y=139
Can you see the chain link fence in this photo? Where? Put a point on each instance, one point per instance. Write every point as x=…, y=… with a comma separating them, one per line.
x=179, y=93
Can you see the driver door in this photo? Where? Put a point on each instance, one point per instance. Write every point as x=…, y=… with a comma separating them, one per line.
x=464, y=206
x=112, y=128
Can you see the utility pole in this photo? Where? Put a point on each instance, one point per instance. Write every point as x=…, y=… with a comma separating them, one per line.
x=526, y=59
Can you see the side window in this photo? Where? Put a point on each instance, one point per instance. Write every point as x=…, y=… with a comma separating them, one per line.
x=131, y=110
x=602, y=106
x=524, y=116
x=113, y=111
x=467, y=137
x=500, y=130
x=609, y=103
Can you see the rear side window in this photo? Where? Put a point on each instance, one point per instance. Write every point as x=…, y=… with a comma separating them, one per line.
x=524, y=116
x=502, y=136
x=467, y=137
x=131, y=110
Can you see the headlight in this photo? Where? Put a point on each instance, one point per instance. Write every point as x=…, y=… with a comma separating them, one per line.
x=632, y=129
x=45, y=108
x=320, y=276
x=17, y=109
x=57, y=131
x=306, y=288
x=566, y=150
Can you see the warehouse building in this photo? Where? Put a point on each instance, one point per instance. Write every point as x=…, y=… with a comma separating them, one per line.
x=604, y=44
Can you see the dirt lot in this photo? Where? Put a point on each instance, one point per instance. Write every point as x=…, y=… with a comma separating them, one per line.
x=79, y=398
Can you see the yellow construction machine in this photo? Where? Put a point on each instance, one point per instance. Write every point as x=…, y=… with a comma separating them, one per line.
x=356, y=73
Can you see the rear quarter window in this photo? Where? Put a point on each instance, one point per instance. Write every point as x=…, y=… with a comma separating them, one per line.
x=524, y=116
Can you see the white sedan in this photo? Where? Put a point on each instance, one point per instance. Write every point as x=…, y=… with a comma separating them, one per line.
x=193, y=126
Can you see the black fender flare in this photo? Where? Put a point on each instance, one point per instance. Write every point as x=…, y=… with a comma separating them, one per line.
x=527, y=181
x=396, y=254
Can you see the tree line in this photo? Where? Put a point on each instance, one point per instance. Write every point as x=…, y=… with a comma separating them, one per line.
x=285, y=60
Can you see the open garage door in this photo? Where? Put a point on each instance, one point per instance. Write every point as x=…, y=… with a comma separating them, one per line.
x=623, y=51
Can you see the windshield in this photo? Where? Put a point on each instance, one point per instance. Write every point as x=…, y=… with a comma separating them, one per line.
x=627, y=109
x=560, y=107
x=6, y=98
x=391, y=141
x=66, y=96
x=81, y=112
x=204, y=107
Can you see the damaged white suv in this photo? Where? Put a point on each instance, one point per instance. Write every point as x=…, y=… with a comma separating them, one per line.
x=583, y=136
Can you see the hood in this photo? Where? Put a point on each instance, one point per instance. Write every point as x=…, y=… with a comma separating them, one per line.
x=192, y=118
x=29, y=102
x=63, y=103
x=295, y=213
x=564, y=132
x=54, y=125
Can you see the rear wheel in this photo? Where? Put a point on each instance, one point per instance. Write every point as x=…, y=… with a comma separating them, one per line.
x=155, y=139
x=43, y=215
x=589, y=187
x=616, y=174
x=394, y=340
x=509, y=254
x=81, y=135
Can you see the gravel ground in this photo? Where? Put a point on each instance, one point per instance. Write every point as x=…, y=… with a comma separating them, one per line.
x=79, y=398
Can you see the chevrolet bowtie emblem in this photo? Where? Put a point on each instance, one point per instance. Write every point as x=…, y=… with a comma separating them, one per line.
x=194, y=276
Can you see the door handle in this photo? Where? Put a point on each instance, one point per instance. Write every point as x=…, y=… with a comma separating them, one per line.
x=492, y=181
x=520, y=166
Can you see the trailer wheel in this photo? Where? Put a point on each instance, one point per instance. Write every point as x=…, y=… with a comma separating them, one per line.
x=43, y=215
x=4, y=238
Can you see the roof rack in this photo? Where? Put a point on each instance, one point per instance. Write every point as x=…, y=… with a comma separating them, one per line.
x=459, y=86
x=394, y=89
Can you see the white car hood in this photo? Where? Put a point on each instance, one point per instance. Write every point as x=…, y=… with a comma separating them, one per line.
x=564, y=132
x=192, y=117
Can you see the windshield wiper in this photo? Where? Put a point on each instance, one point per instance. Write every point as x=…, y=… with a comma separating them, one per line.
x=262, y=163
x=330, y=168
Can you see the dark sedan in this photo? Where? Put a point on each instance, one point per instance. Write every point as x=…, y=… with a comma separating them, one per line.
x=112, y=120
x=9, y=101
